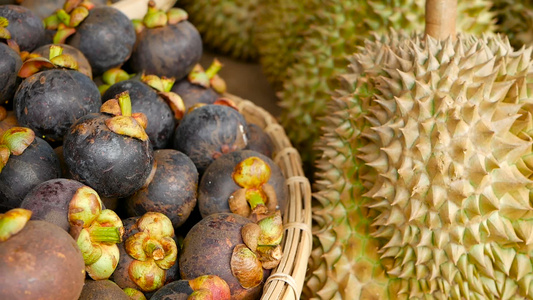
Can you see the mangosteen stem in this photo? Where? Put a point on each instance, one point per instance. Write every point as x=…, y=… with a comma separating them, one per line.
x=105, y=234
x=125, y=103
x=255, y=199
x=63, y=16
x=154, y=248
x=213, y=68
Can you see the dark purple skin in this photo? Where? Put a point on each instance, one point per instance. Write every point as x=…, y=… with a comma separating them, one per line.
x=10, y=64
x=204, y=132
x=217, y=185
x=259, y=141
x=106, y=37
x=172, y=191
x=25, y=26
x=49, y=102
x=144, y=99
x=83, y=64
x=38, y=163
x=177, y=290
x=121, y=274
x=192, y=93
x=170, y=51
x=49, y=201
x=102, y=290
x=113, y=165
x=208, y=247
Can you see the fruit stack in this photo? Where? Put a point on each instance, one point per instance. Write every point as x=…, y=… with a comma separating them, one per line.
x=126, y=169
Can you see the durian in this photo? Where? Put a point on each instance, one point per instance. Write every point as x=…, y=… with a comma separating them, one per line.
x=337, y=28
x=226, y=26
x=424, y=181
x=515, y=19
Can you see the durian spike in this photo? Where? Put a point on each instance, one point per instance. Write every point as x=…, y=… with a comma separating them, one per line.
x=441, y=18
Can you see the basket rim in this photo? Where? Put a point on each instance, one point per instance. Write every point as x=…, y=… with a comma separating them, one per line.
x=287, y=279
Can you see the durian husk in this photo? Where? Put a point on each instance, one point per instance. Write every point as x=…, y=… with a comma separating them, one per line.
x=225, y=26
x=426, y=156
x=515, y=19
x=338, y=27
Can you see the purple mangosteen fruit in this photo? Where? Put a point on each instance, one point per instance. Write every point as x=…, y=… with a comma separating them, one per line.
x=209, y=131
x=201, y=288
x=106, y=37
x=148, y=255
x=25, y=28
x=167, y=44
x=110, y=151
x=172, y=191
x=25, y=162
x=146, y=100
x=10, y=63
x=215, y=246
x=50, y=101
x=201, y=86
x=37, y=259
x=78, y=209
x=243, y=182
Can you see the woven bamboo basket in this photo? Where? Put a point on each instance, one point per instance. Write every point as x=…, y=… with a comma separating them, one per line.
x=286, y=280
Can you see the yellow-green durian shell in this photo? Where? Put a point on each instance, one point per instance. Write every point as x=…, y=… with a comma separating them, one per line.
x=427, y=153
x=226, y=26
x=338, y=27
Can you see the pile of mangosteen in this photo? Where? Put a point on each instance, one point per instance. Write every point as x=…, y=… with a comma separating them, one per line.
x=125, y=171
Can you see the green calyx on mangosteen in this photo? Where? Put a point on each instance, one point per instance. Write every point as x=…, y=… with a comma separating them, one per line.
x=256, y=198
x=96, y=232
x=134, y=294
x=66, y=19
x=37, y=259
x=163, y=86
x=113, y=76
x=13, y=142
x=124, y=121
x=153, y=250
x=56, y=59
x=208, y=78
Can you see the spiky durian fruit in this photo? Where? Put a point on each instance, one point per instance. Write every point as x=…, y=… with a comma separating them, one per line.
x=338, y=27
x=427, y=155
x=515, y=19
x=226, y=26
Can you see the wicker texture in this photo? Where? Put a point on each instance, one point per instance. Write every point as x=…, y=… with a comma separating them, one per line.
x=287, y=279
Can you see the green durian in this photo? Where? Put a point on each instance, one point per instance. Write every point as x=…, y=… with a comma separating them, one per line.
x=515, y=19
x=226, y=26
x=338, y=28
x=426, y=173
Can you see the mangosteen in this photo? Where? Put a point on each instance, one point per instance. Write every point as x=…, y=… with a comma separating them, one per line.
x=221, y=189
x=201, y=86
x=167, y=44
x=148, y=255
x=24, y=26
x=50, y=101
x=259, y=141
x=79, y=210
x=208, y=286
x=172, y=191
x=111, y=154
x=102, y=290
x=49, y=201
x=145, y=99
x=38, y=259
x=26, y=161
x=10, y=64
x=83, y=64
x=209, y=131
x=208, y=249
x=106, y=37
